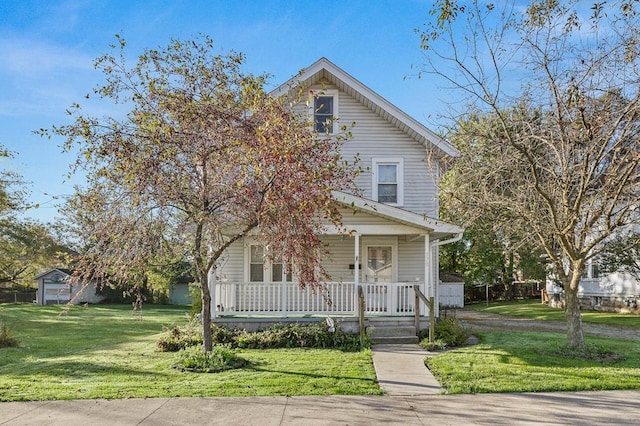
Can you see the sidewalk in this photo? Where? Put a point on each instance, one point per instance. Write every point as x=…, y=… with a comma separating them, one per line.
x=567, y=408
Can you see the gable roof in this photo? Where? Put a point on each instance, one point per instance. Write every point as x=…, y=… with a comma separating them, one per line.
x=436, y=228
x=64, y=271
x=323, y=68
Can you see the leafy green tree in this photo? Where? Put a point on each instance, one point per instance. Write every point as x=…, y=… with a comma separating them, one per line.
x=622, y=254
x=203, y=158
x=554, y=102
x=26, y=247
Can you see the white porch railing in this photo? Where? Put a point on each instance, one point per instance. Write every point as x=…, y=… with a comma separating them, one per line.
x=336, y=298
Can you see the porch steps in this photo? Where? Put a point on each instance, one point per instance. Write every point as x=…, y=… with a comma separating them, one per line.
x=391, y=334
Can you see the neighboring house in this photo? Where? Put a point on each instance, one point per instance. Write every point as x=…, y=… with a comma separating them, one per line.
x=616, y=291
x=394, y=230
x=54, y=288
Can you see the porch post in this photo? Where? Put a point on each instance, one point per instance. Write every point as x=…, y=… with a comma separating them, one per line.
x=428, y=281
x=283, y=289
x=211, y=280
x=356, y=263
x=356, y=271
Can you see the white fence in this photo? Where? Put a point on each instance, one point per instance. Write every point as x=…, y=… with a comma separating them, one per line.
x=335, y=298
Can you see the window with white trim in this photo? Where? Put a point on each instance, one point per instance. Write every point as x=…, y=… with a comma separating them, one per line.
x=262, y=269
x=256, y=264
x=324, y=105
x=388, y=180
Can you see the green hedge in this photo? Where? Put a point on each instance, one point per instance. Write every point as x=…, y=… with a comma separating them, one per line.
x=293, y=335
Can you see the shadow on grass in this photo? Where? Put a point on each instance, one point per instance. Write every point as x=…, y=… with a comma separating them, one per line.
x=43, y=333
x=262, y=367
x=525, y=362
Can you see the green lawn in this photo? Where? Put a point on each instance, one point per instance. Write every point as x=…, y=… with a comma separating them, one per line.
x=109, y=352
x=529, y=362
x=532, y=308
x=533, y=362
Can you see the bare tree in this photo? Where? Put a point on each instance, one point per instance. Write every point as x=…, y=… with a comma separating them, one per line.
x=204, y=158
x=555, y=101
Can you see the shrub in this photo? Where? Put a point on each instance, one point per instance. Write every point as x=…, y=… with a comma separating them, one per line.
x=221, y=358
x=298, y=335
x=180, y=337
x=7, y=340
x=294, y=335
x=448, y=333
x=436, y=345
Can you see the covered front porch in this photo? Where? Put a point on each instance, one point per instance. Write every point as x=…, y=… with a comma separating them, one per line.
x=382, y=251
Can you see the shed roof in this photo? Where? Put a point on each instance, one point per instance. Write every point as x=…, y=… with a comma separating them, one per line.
x=47, y=272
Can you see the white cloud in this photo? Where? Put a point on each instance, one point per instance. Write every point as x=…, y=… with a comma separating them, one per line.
x=29, y=58
x=38, y=77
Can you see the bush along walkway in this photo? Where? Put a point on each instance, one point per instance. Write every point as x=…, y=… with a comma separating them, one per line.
x=475, y=321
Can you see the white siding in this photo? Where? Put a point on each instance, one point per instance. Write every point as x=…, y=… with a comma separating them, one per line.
x=231, y=267
x=411, y=260
x=374, y=137
x=336, y=263
x=341, y=256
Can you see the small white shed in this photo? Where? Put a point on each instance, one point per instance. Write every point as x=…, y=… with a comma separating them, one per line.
x=451, y=290
x=54, y=288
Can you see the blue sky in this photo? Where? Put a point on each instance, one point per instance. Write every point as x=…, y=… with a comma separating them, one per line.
x=47, y=49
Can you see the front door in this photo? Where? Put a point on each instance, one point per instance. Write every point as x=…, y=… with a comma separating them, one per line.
x=379, y=264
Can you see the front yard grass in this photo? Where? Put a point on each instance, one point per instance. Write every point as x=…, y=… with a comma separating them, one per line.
x=105, y=351
x=533, y=309
x=529, y=362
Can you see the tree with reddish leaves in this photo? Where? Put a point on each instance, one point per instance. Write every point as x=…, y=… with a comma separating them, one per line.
x=203, y=158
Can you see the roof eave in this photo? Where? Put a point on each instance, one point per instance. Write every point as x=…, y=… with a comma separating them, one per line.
x=436, y=228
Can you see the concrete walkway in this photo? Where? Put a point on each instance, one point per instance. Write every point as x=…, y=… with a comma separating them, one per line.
x=401, y=371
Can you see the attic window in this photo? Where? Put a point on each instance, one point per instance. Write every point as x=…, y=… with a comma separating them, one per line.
x=323, y=114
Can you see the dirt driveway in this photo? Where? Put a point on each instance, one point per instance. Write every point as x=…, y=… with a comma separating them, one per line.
x=479, y=321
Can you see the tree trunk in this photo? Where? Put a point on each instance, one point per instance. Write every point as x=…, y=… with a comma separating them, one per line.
x=575, y=337
x=206, y=313
x=509, y=276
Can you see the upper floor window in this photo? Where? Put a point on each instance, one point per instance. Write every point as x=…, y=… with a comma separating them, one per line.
x=388, y=180
x=323, y=114
x=325, y=110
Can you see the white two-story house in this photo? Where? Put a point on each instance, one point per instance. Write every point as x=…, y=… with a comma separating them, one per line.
x=394, y=230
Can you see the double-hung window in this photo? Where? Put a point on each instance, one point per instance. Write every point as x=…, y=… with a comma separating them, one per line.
x=262, y=269
x=388, y=180
x=256, y=264
x=325, y=110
